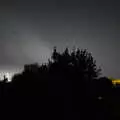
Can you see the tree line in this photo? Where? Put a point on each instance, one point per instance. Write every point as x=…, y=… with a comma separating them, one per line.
x=67, y=87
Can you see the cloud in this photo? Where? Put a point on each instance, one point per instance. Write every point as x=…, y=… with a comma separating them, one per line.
x=23, y=47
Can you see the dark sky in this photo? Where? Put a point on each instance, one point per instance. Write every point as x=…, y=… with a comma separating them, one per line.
x=29, y=29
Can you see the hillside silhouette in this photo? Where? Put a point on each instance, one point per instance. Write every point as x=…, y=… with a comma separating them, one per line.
x=67, y=87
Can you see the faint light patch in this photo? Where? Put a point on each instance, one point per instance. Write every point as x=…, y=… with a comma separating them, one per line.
x=8, y=74
x=100, y=98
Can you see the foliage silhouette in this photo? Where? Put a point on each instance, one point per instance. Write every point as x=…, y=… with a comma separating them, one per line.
x=65, y=87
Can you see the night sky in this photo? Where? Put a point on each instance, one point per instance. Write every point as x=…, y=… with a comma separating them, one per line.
x=29, y=29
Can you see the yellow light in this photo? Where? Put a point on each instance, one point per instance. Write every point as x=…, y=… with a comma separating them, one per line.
x=116, y=81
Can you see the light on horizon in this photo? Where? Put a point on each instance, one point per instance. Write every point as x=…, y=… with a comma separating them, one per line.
x=7, y=74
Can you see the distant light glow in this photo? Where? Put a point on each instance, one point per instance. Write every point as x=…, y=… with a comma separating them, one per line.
x=100, y=98
x=117, y=81
x=7, y=74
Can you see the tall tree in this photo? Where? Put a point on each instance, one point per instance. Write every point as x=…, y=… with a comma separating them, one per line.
x=81, y=61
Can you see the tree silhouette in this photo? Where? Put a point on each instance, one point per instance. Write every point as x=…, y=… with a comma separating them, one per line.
x=73, y=73
x=67, y=85
x=80, y=60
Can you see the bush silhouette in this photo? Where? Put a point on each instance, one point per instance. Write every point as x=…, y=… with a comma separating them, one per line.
x=68, y=84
